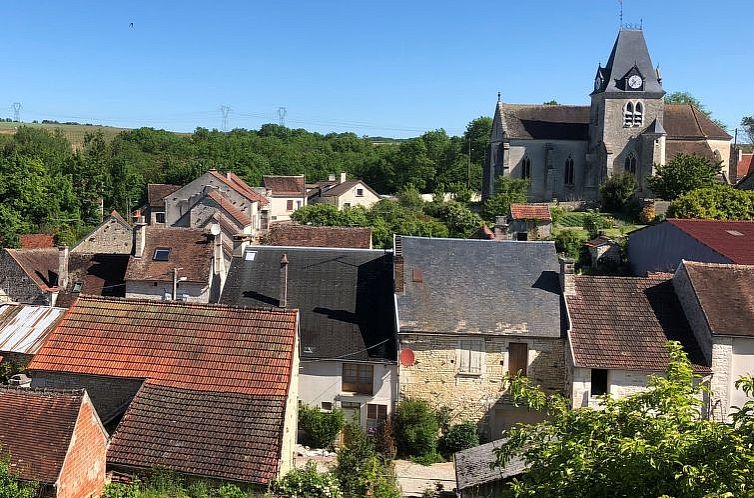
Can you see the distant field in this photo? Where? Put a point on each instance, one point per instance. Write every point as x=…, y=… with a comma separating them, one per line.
x=74, y=133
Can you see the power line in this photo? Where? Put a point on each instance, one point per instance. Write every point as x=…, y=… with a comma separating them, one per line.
x=282, y=111
x=225, y=110
x=17, y=111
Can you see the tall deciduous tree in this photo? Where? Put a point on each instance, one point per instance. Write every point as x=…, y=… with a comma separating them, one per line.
x=507, y=191
x=684, y=173
x=748, y=123
x=653, y=443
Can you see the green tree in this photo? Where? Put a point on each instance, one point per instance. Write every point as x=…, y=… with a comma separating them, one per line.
x=652, y=443
x=11, y=486
x=687, y=98
x=307, y=483
x=318, y=427
x=410, y=198
x=551, y=102
x=416, y=428
x=748, y=123
x=460, y=220
x=360, y=470
x=507, y=191
x=618, y=192
x=684, y=173
x=719, y=202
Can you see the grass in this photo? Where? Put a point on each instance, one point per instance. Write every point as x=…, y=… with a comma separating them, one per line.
x=74, y=133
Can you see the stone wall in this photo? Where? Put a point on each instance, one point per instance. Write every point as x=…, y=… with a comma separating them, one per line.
x=435, y=377
x=197, y=293
x=16, y=286
x=111, y=237
x=620, y=383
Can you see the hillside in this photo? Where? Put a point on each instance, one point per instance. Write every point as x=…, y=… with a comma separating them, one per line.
x=73, y=132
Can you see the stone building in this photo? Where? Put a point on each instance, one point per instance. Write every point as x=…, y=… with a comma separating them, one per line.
x=567, y=152
x=33, y=276
x=529, y=222
x=470, y=312
x=112, y=236
x=604, y=253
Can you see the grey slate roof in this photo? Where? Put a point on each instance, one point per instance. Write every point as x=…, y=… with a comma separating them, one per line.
x=344, y=296
x=630, y=50
x=474, y=466
x=478, y=286
x=546, y=122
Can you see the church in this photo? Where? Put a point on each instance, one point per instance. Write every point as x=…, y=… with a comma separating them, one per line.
x=567, y=152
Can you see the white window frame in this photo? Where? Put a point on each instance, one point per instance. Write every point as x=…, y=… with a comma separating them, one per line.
x=471, y=356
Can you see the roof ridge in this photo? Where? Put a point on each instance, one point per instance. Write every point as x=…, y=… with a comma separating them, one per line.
x=40, y=391
x=83, y=298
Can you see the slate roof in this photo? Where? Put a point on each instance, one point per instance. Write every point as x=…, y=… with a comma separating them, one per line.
x=285, y=186
x=236, y=183
x=220, y=435
x=292, y=234
x=36, y=240
x=195, y=346
x=239, y=216
x=629, y=51
x=342, y=188
x=98, y=274
x=474, y=466
x=23, y=328
x=478, y=286
x=624, y=323
x=344, y=297
x=156, y=193
x=726, y=296
x=722, y=237
x=41, y=265
x=36, y=428
x=190, y=249
x=530, y=212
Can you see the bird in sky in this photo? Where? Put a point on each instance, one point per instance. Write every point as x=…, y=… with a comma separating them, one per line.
x=131, y=25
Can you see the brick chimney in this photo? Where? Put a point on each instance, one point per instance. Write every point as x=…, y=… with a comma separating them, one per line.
x=500, y=228
x=567, y=276
x=283, y=301
x=240, y=243
x=331, y=178
x=343, y=176
x=62, y=266
x=140, y=237
x=229, y=175
x=219, y=257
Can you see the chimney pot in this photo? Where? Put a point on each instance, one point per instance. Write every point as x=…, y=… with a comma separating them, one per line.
x=140, y=237
x=331, y=178
x=567, y=276
x=343, y=176
x=283, y=300
x=62, y=266
x=228, y=174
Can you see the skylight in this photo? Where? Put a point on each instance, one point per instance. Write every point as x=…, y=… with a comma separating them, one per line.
x=250, y=255
x=161, y=254
x=735, y=232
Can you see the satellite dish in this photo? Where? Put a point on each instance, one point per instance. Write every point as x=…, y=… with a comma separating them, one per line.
x=407, y=357
x=214, y=229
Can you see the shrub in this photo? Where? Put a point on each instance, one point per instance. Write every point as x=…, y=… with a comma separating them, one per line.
x=459, y=437
x=507, y=191
x=359, y=469
x=570, y=242
x=428, y=459
x=319, y=428
x=686, y=172
x=618, y=192
x=384, y=440
x=118, y=490
x=307, y=482
x=416, y=428
x=231, y=491
x=721, y=202
x=594, y=222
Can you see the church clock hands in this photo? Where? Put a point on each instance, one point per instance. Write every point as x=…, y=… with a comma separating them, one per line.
x=635, y=81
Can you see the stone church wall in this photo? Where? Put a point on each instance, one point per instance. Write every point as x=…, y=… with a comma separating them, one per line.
x=541, y=189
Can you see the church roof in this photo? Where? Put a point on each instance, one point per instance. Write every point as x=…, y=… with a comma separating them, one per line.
x=629, y=52
x=684, y=121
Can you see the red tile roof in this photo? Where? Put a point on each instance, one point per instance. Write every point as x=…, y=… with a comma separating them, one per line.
x=726, y=296
x=483, y=233
x=229, y=208
x=36, y=428
x=530, y=212
x=732, y=239
x=37, y=240
x=291, y=234
x=624, y=323
x=191, y=250
x=236, y=183
x=744, y=165
x=221, y=435
x=202, y=347
x=156, y=193
x=285, y=186
x=41, y=265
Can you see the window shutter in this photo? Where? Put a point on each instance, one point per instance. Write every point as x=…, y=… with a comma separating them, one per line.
x=477, y=354
x=518, y=357
x=463, y=357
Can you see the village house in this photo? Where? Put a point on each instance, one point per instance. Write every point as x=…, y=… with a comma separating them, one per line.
x=285, y=194
x=343, y=193
x=743, y=163
x=54, y=438
x=604, y=253
x=470, y=312
x=661, y=247
x=112, y=236
x=293, y=234
x=154, y=210
x=619, y=328
x=33, y=276
x=207, y=391
x=347, y=321
x=23, y=329
x=185, y=264
x=529, y=222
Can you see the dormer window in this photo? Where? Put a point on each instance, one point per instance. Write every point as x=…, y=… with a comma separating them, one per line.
x=633, y=114
x=161, y=254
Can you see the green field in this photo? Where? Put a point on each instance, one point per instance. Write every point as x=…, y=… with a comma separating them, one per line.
x=74, y=133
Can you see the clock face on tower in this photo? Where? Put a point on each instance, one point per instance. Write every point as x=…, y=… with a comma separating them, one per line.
x=635, y=81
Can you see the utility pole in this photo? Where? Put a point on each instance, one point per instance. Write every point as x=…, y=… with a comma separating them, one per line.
x=225, y=110
x=282, y=111
x=17, y=111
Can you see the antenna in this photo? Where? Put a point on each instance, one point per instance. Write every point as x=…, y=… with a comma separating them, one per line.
x=282, y=111
x=17, y=111
x=225, y=110
x=621, y=12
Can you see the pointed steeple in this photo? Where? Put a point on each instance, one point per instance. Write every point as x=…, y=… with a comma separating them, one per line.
x=630, y=57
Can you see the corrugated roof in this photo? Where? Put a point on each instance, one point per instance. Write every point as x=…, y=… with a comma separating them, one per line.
x=732, y=239
x=23, y=328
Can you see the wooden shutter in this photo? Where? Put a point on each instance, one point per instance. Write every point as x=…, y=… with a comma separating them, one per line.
x=518, y=357
x=477, y=356
x=464, y=360
x=289, y=205
x=471, y=356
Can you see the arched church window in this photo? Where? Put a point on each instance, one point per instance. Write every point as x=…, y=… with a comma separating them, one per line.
x=630, y=164
x=628, y=114
x=526, y=168
x=638, y=114
x=568, y=177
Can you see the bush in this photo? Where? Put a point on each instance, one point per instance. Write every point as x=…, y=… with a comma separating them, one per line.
x=359, y=469
x=306, y=483
x=618, y=192
x=319, y=428
x=384, y=441
x=459, y=437
x=594, y=222
x=118, y=490
x=721, y=202
x=507, y=191
x=686, y=172
x=428, y=459
x=416, y=428
x=570, y=242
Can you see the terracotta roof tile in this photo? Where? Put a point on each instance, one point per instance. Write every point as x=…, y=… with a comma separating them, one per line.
x=37, y=240
x=195, y=346
x=220, y=435
x=744, y=165
x=530, y=212
x=285, y=186
x=624, y=323
x=156, y=193
x=684, y=121
x=291, y=234
x=190, y=249
x=732, y=239
x=233, y=211
x=483, y=233
x=41, y=265
x=236, y=183
x=36, y=428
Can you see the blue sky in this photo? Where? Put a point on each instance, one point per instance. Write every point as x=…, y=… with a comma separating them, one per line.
x=391, y=68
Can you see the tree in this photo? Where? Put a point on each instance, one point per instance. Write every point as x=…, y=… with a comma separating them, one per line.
x=551, y=102
x=416, y=428
x=687, y=98
x=719, y=202
x=507, y=191
x=652, y=443
x=618, y=192
x=748, y=123
x=10, y=484
x=684, y=173
x=360, y=470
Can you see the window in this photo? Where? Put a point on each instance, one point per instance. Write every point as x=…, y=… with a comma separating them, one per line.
x=638, y=114
x=628, y=114
x=161, y=254
x=359, y=192
x=630, y=164
x=159, y=217
x=289, y=205
x=599, y=382
x=298, y=204
x=357, y=378
x=633, y=114
x=471, y=356
x=327, y=405
x=376, y=412
x=526, y=168
x=568, y=176
x=77, y=287
x=518, y=357
x=249, y=255
x=346, y=205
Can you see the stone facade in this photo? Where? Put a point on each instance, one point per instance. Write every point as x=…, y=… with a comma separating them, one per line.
x=113, y=236
x=529, y=229
x=435, y=375
x=17, y=286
